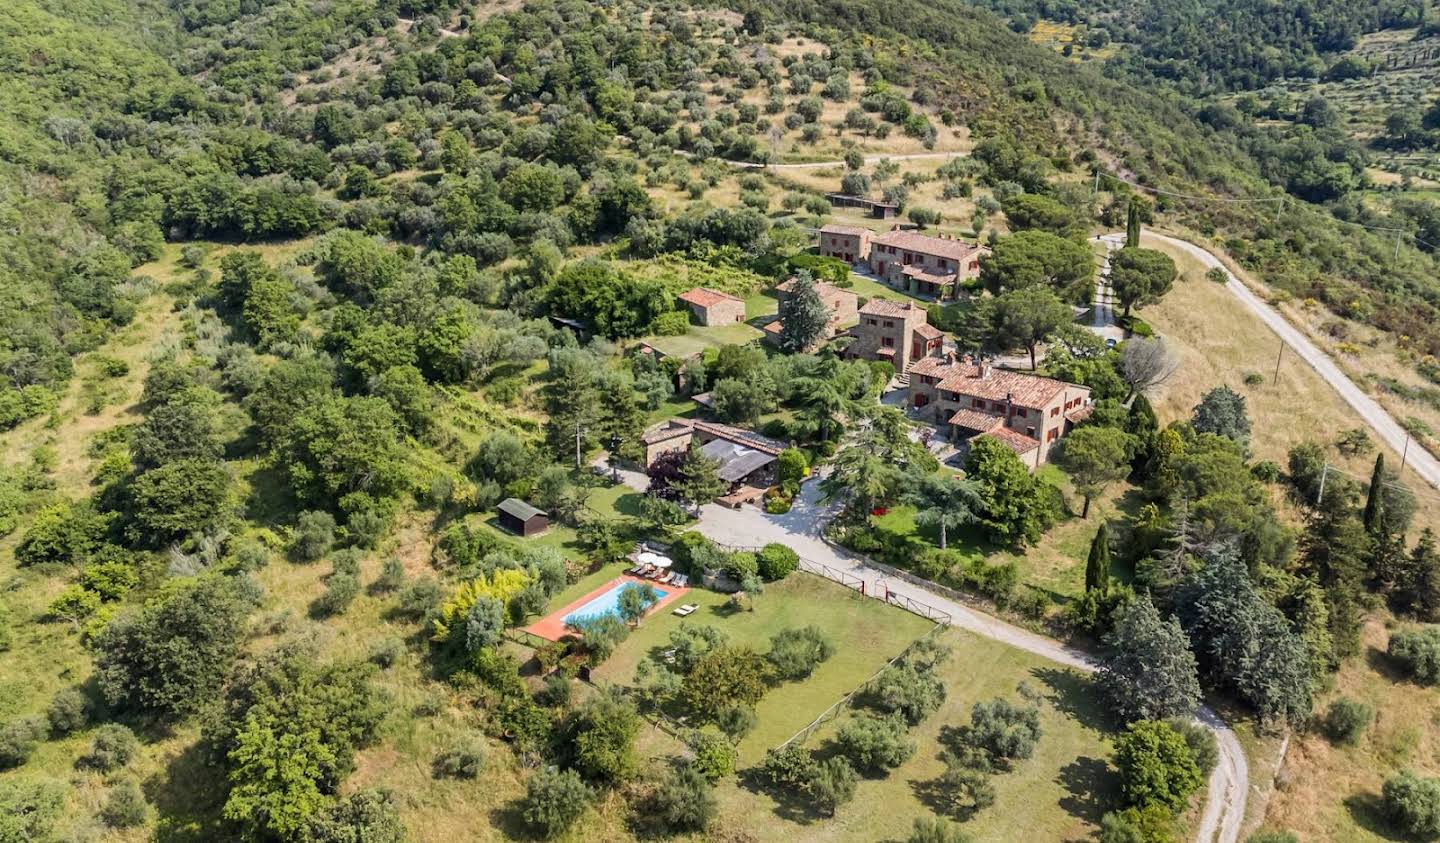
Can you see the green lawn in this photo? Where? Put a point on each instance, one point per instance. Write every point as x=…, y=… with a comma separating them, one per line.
x=1059, y=794
x=699, y=338
x=1056, y=564
x=866, y=634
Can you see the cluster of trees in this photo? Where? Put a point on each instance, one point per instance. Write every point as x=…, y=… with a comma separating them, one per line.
x=872, y=742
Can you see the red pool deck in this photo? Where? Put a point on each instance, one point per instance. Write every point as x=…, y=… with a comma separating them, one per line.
x=552, y=626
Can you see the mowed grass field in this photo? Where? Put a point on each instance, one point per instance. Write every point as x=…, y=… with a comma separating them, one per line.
x=1058, y=794
x=866, y=634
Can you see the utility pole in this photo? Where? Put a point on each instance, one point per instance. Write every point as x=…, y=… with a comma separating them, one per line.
x=1397, y=244
x=1278, y=355
x=577, y=444
x=1403, y=454
x=1320, y=495
x=1096, y=189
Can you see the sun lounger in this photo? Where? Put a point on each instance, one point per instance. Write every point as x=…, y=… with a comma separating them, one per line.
x=686, y=609
x=664, y=578
x=682, y=580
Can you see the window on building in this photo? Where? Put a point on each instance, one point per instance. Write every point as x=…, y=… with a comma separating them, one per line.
x=996, y=405
x=1050, y=437
x=889, y=323
x=977, y=403
x=942, y=263
x=888, y=342
x=1054, y=411
x=872, y=322
x=1020, y=411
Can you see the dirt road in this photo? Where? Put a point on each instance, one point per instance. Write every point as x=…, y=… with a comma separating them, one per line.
x=1421, y=461
x=799, y=529
x=869, y=159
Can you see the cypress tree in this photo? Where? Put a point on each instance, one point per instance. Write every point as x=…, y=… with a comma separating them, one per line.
x=1374, y=505
x=1097, y=566
x=1132, y=225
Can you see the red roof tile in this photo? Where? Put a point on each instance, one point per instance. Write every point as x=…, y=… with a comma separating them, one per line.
x=993, y=384
x=942, y=247
x=851, y=230
x=706, y=297
x=889, y=307
x=1018, y=442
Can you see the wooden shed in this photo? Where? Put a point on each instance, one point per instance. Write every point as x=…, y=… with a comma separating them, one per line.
x=521, y=518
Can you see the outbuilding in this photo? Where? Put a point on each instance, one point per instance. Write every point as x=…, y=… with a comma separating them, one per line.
x=521, y=518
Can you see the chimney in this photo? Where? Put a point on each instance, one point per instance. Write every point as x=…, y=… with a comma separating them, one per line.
x=985, y=370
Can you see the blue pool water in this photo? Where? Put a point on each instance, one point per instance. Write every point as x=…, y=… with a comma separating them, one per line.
x=608, y=603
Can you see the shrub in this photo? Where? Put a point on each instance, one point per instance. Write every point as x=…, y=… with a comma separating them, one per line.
x=1152, y=824
x=1004, y=731
x=906, y=690
x=1418, y=653
x=112, y=747
x=340, y=591
x=684, y=801
x=387, y=652
x=967, y=789
x=795, y=653
x=1347, y=719
x=789, y=768
x=714, y=755
x=464, y=760
x=832, y=785
x=936, y=830
x=420, y=598
x=69, y=711
x=1156, y=767
x=554, y=800
x=18, y=738
x=741, y=565
x=1413, y=804
x=314, y=535
x=875, y=744
x=126, y=807
x=776, y=562
x=1201, y=742
x=29, y=809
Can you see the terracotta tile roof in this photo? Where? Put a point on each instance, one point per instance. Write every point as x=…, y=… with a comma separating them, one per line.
x=889, y=307
x=774, y=327
x=974, y=420
x=1018, y=442
x=928, y=331
x=852, y=230
x=824, y=288
x=706, y=297
x=738, y=435
x=935, y=367
x=666, y=430
x=1081, y=414
x=942, y=247
x=920, y=274
x=885, y=352
x=1025, y=390
x=741, y=436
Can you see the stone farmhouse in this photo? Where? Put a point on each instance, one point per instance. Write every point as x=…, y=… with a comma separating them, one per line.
x=916, y=263
x=746, y=457
x=712, y=307
x=842, y=304
x=969, y=399
x=899, y=333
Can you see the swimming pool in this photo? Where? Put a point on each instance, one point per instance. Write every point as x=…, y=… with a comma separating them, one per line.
x=608, y=603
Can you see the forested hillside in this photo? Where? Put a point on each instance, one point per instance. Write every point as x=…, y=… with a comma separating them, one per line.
x=294, y=295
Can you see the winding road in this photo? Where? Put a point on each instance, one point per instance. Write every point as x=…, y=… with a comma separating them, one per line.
x=1421, y=461
x=799, y=529
x=815, y=165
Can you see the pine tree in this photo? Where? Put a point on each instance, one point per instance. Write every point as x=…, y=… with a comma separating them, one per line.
x=1097, y=566
x=1132, y=225
x=699, y=481
x=803, y=315
x=1419, y=587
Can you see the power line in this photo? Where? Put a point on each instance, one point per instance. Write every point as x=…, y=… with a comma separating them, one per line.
x=1280, y=205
